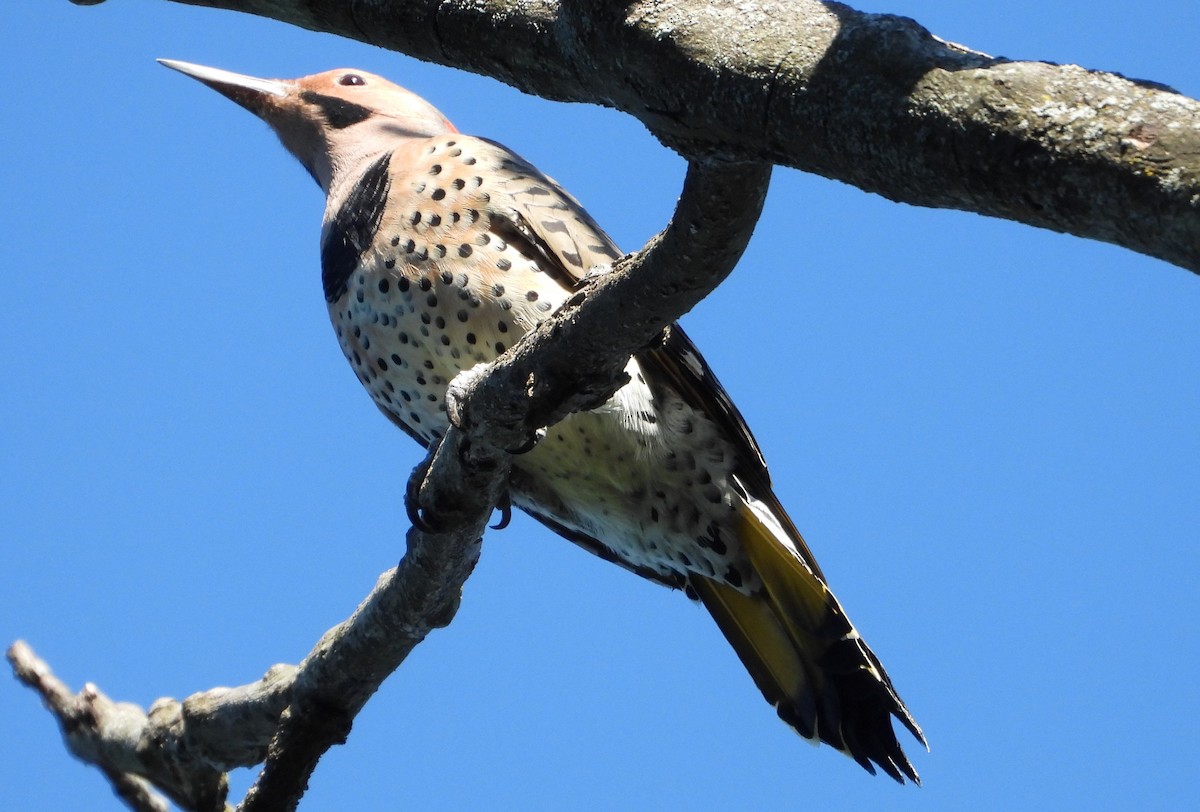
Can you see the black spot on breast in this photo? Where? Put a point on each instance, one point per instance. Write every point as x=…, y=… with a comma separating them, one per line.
x=353, y=228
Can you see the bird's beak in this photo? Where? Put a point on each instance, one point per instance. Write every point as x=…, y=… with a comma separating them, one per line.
x=256, y=95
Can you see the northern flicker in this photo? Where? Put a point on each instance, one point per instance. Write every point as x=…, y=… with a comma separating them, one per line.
x=440, y=250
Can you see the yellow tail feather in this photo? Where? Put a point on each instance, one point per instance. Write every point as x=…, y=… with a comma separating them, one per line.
x=804, y=654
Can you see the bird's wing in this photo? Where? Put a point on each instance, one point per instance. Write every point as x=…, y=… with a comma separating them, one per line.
x=555, y=226
x=559, y=231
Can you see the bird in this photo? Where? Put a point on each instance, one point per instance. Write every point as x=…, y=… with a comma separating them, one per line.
x=438, y=251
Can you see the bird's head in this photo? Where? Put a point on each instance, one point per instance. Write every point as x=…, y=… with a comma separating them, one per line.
x=330, y=121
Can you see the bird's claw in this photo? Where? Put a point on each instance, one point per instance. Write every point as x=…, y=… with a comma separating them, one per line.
x=505, y=508
x=412, y=493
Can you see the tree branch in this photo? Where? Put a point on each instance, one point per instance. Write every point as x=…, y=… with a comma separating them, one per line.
x=353, y=659
x=874, y=100
x=293, y=715
x=119, y=738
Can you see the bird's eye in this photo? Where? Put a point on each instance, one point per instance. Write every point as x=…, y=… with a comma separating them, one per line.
x=351, y=79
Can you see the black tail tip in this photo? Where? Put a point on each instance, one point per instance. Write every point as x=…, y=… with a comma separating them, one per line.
x=867, y=737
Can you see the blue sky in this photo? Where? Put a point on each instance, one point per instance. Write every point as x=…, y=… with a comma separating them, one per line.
x=987, y=433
